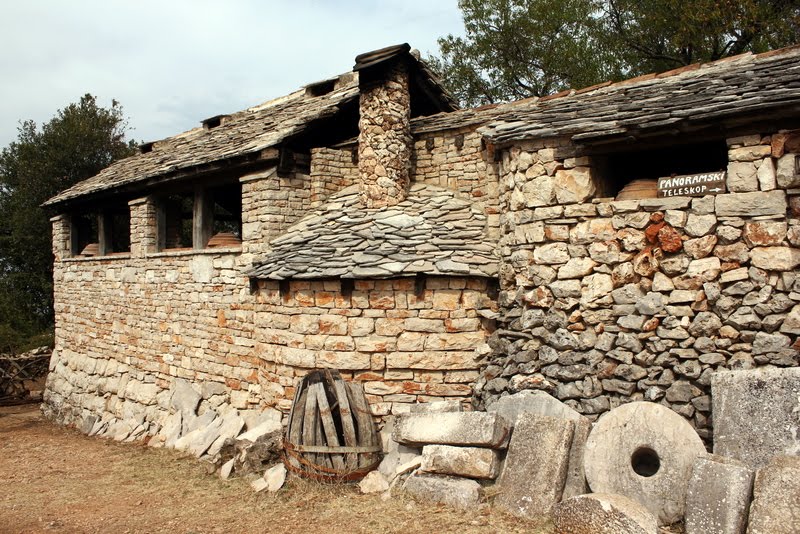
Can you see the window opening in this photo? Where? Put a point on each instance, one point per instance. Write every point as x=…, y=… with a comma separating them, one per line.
x=103, y=233
x=207, y=217
x=120, y=227
x=637, y=172
x=84, y=235
x=176, y=215
x=226, y=212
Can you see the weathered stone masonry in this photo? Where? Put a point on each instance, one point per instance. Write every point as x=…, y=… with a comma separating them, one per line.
x=601, y=301
x=607, y=301
x=193, y=315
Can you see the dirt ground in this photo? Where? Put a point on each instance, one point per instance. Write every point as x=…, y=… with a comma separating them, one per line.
x=54, y=479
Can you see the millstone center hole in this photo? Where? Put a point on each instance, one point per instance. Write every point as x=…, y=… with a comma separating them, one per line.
x=645, y=462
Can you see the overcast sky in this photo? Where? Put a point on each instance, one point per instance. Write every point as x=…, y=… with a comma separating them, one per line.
x=173, y=63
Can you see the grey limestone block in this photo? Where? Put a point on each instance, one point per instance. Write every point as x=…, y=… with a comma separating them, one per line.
x=437, y=407
x=776, y=498
x=718, y=496
x=756, y=414
x=478, y=429
x=470, y=462
x=535, y=470
x=511, y=406
x=452, y=491
x=600, y=513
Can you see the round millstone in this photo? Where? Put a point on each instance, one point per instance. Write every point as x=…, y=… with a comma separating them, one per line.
x=643, y=451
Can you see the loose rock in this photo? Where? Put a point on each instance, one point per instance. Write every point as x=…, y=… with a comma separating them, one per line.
x=535, y=469
x=718, y=496
x=602, y=513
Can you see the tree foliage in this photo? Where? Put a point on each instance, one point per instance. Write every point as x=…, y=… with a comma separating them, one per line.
x=657, y=35
x=76, y=143
x=514, y=49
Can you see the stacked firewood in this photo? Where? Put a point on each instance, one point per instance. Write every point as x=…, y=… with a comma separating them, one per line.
x=22, y=375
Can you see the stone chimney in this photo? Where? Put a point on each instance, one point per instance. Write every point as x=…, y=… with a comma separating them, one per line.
x=384, y=139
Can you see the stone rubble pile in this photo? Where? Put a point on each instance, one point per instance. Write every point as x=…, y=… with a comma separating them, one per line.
x=639, y=467
x=193, y=419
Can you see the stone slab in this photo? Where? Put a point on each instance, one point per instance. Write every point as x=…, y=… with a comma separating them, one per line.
x=226, y=470
x=230, y=427
x=394, y=454
x=172, y=429
x=87, y=424
x=470, y=462
x=535, y=469
x=452, y=491
x=477, y=429
x=275, y=477
x=437, y=407
x=539, y=402
x=266, y=427
x=776, y=498
x=600, y=513
x=718, y=496
x=756, y=414
x=184, y=398
x=575, y=483
x=259, y=484
x=643, y=451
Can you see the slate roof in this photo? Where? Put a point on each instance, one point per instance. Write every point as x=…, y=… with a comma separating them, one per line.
x=242, y=133
x=432, y=232
x=693, y=96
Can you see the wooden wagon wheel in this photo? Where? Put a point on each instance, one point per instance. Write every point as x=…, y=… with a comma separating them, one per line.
x=331, y=435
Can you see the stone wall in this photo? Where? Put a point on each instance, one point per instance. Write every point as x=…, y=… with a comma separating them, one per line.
x=405, y=345
x=61, y=242
x=128, y=327
x=331, y=171
x=456, y=160
x=604, y=301
x=270, y=204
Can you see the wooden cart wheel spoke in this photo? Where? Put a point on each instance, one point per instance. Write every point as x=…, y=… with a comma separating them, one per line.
x=331, y=435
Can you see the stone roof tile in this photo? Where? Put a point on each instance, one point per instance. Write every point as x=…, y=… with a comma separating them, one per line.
x=417, y=235
x=240, y=134
x=739, y=86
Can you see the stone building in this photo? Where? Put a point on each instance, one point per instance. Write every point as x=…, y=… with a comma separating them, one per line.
x=365, y=223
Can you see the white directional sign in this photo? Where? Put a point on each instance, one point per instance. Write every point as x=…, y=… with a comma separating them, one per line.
x=692, y=185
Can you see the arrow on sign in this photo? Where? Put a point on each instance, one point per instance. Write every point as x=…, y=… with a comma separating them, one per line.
x=716, y=190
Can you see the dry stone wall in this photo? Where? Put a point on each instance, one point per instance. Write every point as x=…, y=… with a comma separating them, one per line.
x=603, y=302
x=127, y=328
x=270, y=204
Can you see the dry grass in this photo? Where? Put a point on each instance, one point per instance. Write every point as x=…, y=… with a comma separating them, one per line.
x=56, y=480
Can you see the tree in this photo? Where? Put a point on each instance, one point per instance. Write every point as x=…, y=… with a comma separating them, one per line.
x=658, y=35
x=76, y=144
x=514, y=49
